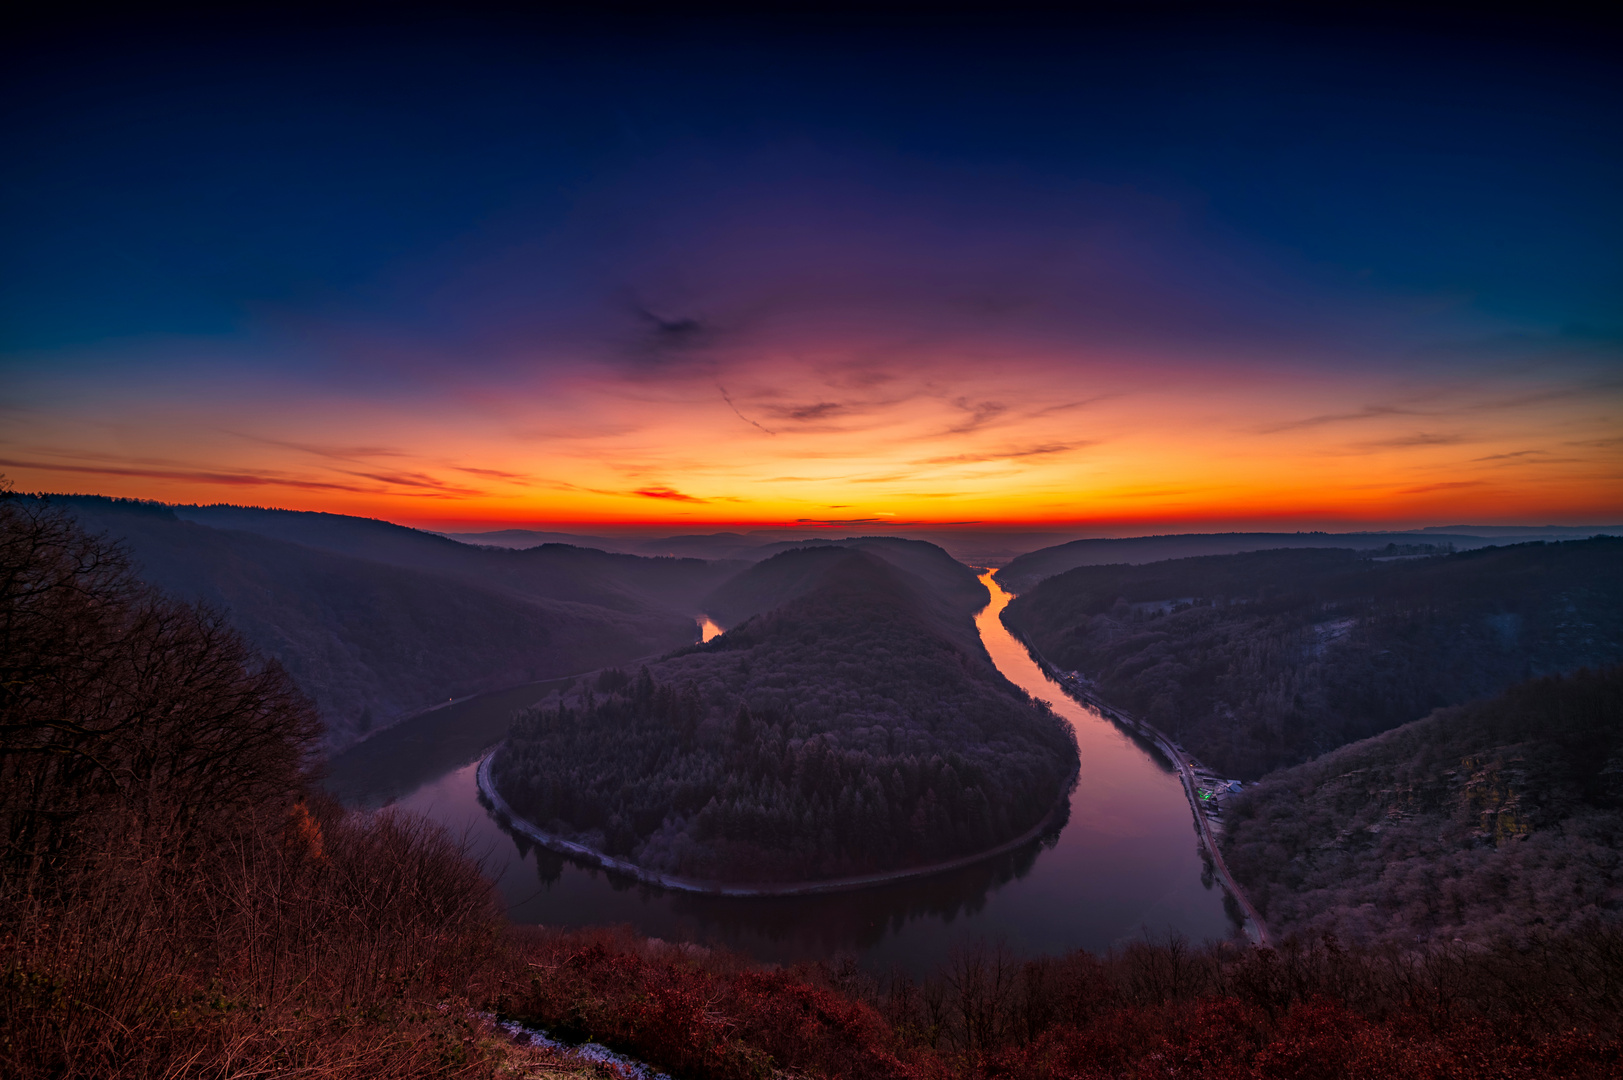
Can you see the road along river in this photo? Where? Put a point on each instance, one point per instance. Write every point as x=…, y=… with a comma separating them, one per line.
x=1124, y=862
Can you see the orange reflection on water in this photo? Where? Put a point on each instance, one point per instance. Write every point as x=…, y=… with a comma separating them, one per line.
x=1124, y=790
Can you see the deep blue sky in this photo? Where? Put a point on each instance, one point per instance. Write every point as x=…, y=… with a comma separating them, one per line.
x=1337, y=267
x=170, y=181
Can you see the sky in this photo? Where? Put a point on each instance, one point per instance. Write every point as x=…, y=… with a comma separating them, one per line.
x=1158, y=271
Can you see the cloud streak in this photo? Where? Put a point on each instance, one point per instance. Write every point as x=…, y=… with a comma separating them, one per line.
x=1043, y=450
x=659, y=491
x=231, y=479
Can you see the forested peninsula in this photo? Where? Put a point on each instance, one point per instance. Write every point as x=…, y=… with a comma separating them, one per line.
x=852, y=725
x=1264, y=660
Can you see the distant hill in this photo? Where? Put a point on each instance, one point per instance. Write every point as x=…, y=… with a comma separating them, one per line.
x=528, y=538
x=724, y=545
x=972, y=545
x=1493, y=820
x=1024, y=572
x=939, y=580
x=546, y=571
x=848, y=729
x=375, y=621
x=1262, y=660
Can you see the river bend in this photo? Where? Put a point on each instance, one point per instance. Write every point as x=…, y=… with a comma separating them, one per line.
x=1124, y=862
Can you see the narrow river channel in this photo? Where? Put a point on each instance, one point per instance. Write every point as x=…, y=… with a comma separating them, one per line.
x=1123, y=864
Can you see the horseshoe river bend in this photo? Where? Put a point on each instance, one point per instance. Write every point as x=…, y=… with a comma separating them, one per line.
x=1123, y=863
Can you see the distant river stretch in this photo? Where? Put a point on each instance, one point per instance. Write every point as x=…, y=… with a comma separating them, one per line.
x=1124, y=864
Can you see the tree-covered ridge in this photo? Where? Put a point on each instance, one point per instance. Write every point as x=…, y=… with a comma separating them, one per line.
x=1487, y=821
x=947, y=591
x=844, y=732
x=1264, y=660
x=938, y=578
x=1025, y=571
x=376, y=621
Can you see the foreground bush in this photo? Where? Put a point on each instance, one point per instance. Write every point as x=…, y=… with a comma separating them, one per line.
x=171, y=902
x=326, y=945
x=1147, y=1011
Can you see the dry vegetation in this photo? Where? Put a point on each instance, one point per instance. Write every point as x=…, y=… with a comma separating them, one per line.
x=173, y=903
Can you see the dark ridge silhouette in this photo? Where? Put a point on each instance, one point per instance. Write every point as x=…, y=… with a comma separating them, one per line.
x=529, y=538
x=547, y=571
x=376, y=622
x=937, y=581
x=1025, y=571
x=1263, y=660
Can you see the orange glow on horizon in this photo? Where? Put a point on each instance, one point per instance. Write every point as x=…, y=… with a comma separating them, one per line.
x=820, y=443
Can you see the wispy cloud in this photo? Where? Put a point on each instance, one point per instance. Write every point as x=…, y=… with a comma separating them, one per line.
x=1043, y=450
x=729, y=400
x=659, y=491
x=495, y=474
x=332, y=453
x=980, y=413
x=235, y=479
x=1447, y=485
x=415, y=480
x=1419, y=438
x=1368, y=412
x=804, y=413
x=1050, y=410
x=662, y=339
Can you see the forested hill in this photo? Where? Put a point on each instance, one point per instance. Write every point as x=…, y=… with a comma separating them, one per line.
x=846, y=731
x=1492, y=820
x=939, y=583
x=1025, y=571
x=1266, y=659
x=375, y=621
x=550, y=571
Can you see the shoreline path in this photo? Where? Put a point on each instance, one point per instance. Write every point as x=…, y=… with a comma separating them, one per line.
x=553, y=842
x=1255, y=927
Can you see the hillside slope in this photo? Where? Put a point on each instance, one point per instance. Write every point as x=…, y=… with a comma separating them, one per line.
x=948, y=587
x=1263, y=660
x=550, y=571
x=1489, y=820
x=1025, y=571
x=375, y=639
x=848, y=730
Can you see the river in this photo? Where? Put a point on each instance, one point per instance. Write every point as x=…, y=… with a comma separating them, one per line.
x=1123, y=864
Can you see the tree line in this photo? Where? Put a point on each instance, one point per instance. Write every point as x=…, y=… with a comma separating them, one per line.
x=1484, y=822
x=839, y=734
x=1263, y=660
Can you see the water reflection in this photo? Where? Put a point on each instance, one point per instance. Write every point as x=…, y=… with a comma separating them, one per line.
x=1124, y=862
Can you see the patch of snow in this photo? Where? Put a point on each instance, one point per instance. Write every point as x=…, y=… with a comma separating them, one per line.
x=593, y=1052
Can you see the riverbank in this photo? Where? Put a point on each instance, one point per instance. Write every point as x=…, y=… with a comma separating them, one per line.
x=1256, y=928
x=553, y=842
